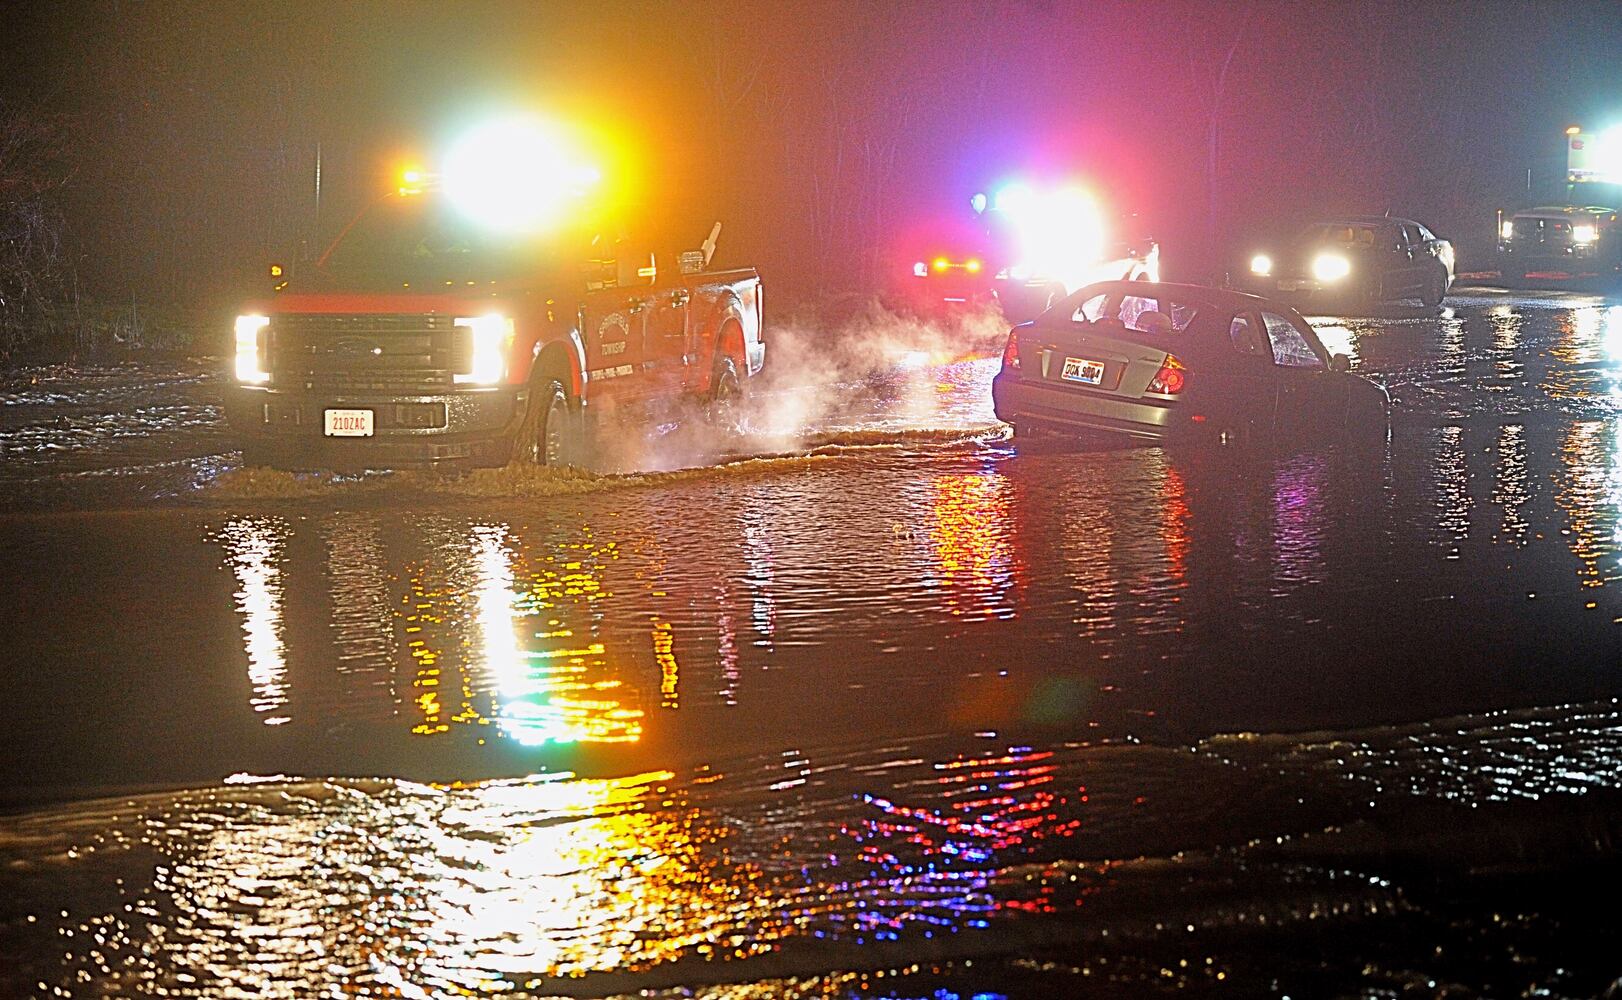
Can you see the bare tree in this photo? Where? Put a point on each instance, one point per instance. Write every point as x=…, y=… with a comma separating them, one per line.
x=33, y=169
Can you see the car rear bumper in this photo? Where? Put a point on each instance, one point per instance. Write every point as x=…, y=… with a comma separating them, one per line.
x=286, y=429
x=1022, y=401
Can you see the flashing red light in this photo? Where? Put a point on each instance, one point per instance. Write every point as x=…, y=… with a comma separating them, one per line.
x=1171, y=378
x=1010, y=354
x=1198, y=418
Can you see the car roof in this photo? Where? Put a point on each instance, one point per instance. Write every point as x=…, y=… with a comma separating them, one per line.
x=1225, y=298
x=1361, y=220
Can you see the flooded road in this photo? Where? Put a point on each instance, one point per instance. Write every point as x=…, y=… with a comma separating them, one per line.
x=872, y=703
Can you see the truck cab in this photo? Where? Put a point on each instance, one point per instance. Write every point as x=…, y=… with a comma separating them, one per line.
x=423, y=339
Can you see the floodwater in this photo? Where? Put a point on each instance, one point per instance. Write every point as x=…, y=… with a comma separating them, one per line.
x=868, y=702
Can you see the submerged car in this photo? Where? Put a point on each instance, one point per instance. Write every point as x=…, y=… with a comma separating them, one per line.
x=1358, y=260
x=1574, y=241
x=1167, y=363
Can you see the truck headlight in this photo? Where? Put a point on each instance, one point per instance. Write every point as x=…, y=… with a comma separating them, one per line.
x=1328, y=267
x=250, y=349
x=1261, y=264
x=1507, y=230
x=492, y=337
x=1583, y=234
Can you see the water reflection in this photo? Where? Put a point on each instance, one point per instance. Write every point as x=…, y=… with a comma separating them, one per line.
x=256, y=547
x=363, y=633
x=483, y=627
x=1589, y=489
x=1299, y=521
x=971, y=544
x=516, y=656
x=1511, y=489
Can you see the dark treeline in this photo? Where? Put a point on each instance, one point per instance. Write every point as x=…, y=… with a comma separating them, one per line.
x=818, y=132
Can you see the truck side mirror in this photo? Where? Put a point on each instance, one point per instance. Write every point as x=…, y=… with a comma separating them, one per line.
x=1340, y=363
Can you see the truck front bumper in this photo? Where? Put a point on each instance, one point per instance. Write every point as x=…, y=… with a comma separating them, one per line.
x=285, y=429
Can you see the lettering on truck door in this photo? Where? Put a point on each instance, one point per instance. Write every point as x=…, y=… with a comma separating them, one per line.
x=615, y=335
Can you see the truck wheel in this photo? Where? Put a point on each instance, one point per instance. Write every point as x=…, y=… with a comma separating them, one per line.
x=1435, y=289
x=548, y=435
x=726, y=395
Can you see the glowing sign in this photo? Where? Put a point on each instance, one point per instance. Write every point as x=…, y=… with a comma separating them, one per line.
x=1594, y=158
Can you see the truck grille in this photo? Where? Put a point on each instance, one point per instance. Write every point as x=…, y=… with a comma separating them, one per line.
x=1547, y=232
x=402, y=353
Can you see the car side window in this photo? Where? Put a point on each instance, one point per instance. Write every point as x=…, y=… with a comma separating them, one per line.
x=1424, y=234
x=1290, y=347
x=1247, y=337
x=1089, y=311
x=1410, y=236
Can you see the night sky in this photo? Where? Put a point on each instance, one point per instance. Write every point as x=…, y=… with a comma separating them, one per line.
x=827, y=136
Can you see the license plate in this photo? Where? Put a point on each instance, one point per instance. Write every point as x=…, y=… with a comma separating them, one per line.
x=1083, y=371
x=349, y=423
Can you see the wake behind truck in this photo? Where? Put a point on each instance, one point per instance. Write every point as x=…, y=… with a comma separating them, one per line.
x=429, y=335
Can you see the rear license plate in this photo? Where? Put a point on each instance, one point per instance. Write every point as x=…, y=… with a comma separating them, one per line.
x=349, y=423
x=1083, y=371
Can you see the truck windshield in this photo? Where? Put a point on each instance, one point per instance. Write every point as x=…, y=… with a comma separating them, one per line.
x=420, y=239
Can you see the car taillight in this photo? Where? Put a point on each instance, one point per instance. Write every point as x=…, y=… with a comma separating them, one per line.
x=1010, y=354
x=1171, y=378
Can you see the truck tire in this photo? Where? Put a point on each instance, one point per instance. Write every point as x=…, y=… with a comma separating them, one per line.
x=726, y=395
x=548, y=434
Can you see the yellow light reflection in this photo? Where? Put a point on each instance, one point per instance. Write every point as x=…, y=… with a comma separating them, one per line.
x=1589, y=489
x=497, y=643
x=973, y=548
x=256, y=547
x=486, y=889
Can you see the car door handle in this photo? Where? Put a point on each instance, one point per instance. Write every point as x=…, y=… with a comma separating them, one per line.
x=679, y=297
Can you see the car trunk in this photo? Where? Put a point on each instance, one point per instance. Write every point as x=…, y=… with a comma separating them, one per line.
x=1088, y=358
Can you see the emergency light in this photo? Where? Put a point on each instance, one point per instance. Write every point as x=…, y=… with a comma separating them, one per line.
x=515, y=175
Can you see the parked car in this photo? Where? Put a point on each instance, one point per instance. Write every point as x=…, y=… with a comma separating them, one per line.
x=1358, y=260
x=1168, y=363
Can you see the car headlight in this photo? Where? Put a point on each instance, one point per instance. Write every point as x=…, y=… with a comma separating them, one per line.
x=1328, y=267
x=1507, y=230
x=492, y=336
x=1583, y=234
x=250, y=349
x=1261, y=264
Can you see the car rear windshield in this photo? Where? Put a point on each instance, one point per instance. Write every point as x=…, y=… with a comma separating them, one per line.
x=1139, y=313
